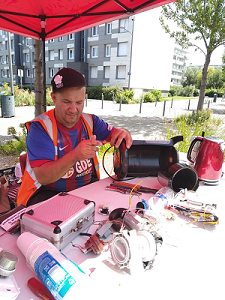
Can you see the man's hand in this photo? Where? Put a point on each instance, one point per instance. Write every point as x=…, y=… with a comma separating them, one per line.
x=118, y=135
x=87, y=148
x=54, y=170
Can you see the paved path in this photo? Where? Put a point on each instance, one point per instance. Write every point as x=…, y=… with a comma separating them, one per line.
x=148, y=124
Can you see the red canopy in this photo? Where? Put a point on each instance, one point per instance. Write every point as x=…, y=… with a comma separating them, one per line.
x=48, y=19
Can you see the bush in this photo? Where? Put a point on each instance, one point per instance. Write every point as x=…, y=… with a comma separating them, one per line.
x=188, y=91
x=151, y=95
x=210, y=92
x=196, y=93
x=193, y=125
x=127, y=97
x=220, y=92
x=94, y=92
x=111, y=91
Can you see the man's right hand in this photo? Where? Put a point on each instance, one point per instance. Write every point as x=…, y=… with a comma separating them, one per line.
x=87, y=148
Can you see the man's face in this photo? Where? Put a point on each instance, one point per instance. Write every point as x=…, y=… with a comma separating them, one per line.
x=69, y=105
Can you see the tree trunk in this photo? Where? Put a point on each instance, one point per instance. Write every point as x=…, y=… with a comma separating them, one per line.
x=204, y=81
x=38, y=78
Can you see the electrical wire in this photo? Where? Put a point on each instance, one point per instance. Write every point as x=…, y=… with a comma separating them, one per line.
x=103, y=165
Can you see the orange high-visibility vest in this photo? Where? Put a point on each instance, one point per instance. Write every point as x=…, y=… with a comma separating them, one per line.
x=29, y=182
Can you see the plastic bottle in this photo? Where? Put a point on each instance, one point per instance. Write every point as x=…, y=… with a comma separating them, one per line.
x=161, y=199
x=62, y=277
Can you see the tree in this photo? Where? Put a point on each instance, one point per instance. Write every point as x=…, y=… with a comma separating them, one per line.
x=202, y=19
x=223, y=67
x=190, y=76
x=38, y=78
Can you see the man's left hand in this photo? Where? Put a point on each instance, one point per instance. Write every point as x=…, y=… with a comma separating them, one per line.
x=118, y=135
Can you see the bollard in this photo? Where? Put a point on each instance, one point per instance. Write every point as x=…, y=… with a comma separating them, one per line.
x=156, y=100
x=189, y=102
x=120, y=103
x=140, y=105
x=172, y=103
x=208, y=103
x=86, y=96
x=164, y=107
x=102, y=99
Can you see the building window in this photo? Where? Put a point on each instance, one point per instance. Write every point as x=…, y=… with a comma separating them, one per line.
x=122, y=49
x=95, y=31
x=3, y=73
x=60, y=54
x=61, y=39
x=121, y=72
x=51, y=55
x=6, y=45
x=51, y=41
x=51, y=72
x=27, y=57
x=106, y=72
x=124, y=25
x=71, y=36
x=12, y=44
x=94, y=72
x=7, y=59
x=94, y=51
x=108, y=28
x=13, y=58
x=28, y=73
x=108, y=50
x=1, y=46
x=71, y=53
x=2, y=59
x=26, y=42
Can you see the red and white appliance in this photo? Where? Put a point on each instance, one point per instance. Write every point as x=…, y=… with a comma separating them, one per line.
x=207, y=156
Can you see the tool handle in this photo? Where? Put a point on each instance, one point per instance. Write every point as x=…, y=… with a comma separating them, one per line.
x=39, y=289
x=128, y=185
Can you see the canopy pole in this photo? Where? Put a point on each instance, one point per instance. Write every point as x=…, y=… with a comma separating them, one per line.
x=43, y=61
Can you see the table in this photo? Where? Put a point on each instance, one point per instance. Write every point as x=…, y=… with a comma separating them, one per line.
x=190, y=263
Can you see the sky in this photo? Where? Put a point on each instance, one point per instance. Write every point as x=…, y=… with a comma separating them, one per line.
x=198, y=58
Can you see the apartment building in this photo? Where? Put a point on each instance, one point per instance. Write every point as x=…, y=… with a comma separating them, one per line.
x=133, y=52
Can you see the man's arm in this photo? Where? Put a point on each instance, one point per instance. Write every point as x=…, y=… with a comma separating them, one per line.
x=52, y=171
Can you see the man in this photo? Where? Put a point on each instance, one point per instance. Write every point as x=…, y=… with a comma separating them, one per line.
x=62, y=143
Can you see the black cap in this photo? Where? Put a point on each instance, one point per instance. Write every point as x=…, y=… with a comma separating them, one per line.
x=67, y=78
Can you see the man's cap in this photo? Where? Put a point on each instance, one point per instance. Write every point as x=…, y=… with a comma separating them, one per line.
x=67, y=78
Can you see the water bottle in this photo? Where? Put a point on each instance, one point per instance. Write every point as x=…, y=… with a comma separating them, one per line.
x=161, y=199
x=63, y=278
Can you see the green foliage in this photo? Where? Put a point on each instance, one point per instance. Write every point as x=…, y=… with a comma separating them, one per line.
x=5, y=89
x=111, y=91
x=17, y=144
x=220, y=92
x=49, y=101
x=190, y=125
x=94, y=92
x=126, y=96
x=190, y=76
x=187, y=91
x=151, y=95
x=196, y=93
x=210, y=92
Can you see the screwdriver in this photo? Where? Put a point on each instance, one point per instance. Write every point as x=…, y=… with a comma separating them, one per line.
x=39, y=289
x=130, y=186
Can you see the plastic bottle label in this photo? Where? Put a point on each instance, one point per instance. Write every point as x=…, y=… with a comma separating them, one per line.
x=53, y=275
x=160, y=197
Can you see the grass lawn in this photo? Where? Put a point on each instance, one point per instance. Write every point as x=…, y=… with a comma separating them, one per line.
x=176, y=98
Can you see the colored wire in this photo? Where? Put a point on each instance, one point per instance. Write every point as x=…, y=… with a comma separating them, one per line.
x=132, y=191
